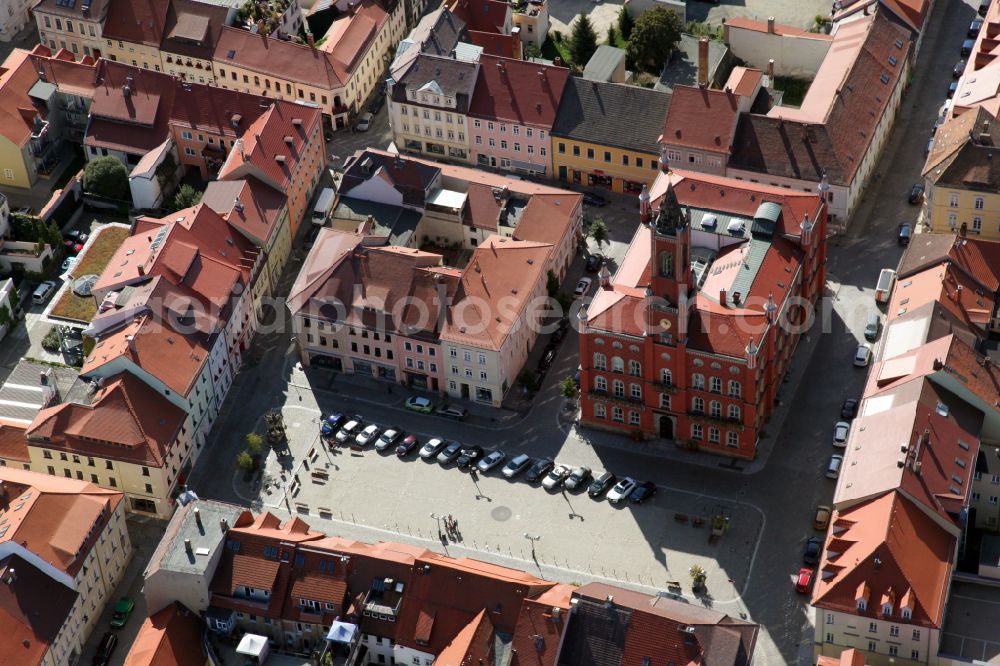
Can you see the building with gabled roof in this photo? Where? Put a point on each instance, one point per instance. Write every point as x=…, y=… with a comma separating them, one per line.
x=26, y=146
x=689, y=340
x=701, y=124
x=64, y=547
x=170, y=637
x=75, y=27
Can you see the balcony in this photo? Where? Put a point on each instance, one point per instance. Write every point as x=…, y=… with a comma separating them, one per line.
x=668, y=387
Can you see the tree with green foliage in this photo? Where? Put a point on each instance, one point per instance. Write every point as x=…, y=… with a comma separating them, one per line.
x=569, y=388
x=612, y=36
x=527, y=379
x=530, y=50
x=625, y=23
x=254, y=443
x=53, y=236
x=106, y=177
x=551, y=284
x=653, y=39
x=599, y=231
x=583, y=42
x=245, y=461
x=186, y=197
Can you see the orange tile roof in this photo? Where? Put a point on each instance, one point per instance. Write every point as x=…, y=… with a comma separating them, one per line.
x=779, y=28
x=17, y=75
x=276, y=57
x=851, y=657
x=350, y=36
x=259, y=209
x=701, y=118
x=539, y=629
x=33, y=610
x=56, y=518
x=743, y=81
x=127, y=420
x=472, y=645
x=175, y=359
x=171, y=637
x=500, y=268
x=140, y=22
x=12, y=444
x=884, y=544
x=265, y=141
x=523, y=92
x=548, y=218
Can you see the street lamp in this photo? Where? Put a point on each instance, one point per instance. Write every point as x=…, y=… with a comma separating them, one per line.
x=532, y=538
x=438, y=519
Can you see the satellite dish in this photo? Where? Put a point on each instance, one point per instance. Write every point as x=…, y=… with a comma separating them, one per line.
x=83, y=286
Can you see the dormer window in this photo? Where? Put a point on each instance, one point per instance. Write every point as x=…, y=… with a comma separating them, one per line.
x=862, y=605
x=886, y=610
x=907, y=613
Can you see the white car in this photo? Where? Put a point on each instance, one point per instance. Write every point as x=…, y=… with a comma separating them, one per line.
x=555, y=478
x=349, y=430
x=68, y=263
x=431, y=448
x=833, y=467
x=367, y=436
x=491, y=461
x=583, y=286
x=840, y=432
x=862, y=356
x=364, y=122
x=622, y=490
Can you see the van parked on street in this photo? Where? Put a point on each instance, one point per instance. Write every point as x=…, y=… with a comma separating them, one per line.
x=883, y=288
x=324, y=204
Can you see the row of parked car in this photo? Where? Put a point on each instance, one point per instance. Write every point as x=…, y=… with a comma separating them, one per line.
x=339, y=429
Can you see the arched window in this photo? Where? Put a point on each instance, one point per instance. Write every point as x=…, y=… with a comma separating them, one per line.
x=734, y=412
x=600, y=384
x=635, y=390
x=666, y=264
x=735, y=390
x=619, y=388
x=635, y=368
x=698, y=381
x=666, y=377
x=600, y=361
x=698, y=405
x=618, y=414
x=713, y=435
x=715, y=409
x=617, y=364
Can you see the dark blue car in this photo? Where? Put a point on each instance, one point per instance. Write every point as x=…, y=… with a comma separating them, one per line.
x=331, y=424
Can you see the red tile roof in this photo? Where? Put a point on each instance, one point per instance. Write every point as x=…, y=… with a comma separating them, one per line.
x=548, y=218
x=482, y=15
x=33, y=609
x=12, y=444
x=701, y=118
x=272, y=136
x=494, y=43
x=127, y=420
x=851, y=657
x=472, y=645
x=17, y=75
x=138, y=22
x=171, y=637
x=882, y=546
x=517, y=91
x=540, y=627
x=258, y=212
x=779, y=28
x=276, y=57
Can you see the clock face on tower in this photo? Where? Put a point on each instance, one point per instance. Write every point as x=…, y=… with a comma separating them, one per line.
x=665, y=324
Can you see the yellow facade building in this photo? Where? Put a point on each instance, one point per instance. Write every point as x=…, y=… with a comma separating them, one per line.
x=589, y=146
x=962, y=178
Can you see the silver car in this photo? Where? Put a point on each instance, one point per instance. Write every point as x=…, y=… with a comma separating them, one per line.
x=491, y=461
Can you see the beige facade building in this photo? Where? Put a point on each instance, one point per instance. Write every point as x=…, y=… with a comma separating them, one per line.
x=75, y=26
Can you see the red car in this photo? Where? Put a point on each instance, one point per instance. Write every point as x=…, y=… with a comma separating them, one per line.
x=72, y=245
x=804, y=580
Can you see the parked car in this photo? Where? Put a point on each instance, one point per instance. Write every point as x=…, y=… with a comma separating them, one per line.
x=600, y=485
x=349, y=430
x=376, y=104
x=419, y=404
x=975, y=27
x=364, y=122
x=388, y=439
x=583, y=286
x=68, y=263
x=555, y=477
x=121, y=612
x=937, y=123
x=595, y=200
x=539, y=469
x=577, y=478
x=849, y=409
x=967, y=47
x=594, y=263
x=984, y=6
x=453, y=413
x=72, y=245
x=952, y=89
x=409, y=443
x=804, y=580
x=367, y=436
x=449, y=453
x=77, y=235
x=491, y=461
x=958, y=70
x=930, y=146
x=916, y=194
x=812, y=549
x=558, y=336
x=43, y=291
x=905, y=232
x=862, y=356
x=642, y=492
x=105, y=649
x=432, y=448
x=822, y=518
x=841, y=431
x=833, y=467
x=872, y=325
x=516, y=465
x=331, y=424
x=470, y=454
x=545, y=362
x=621, y=490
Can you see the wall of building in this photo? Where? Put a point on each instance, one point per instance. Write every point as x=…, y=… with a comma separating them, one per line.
x=136, y=54
x=837, y=198
x=16, y=253
x=81, y=37
x=695, y=159
x=496, y=144
x=17, y=169
x=14, y=20
x=436, y=133
x=420, y=361
x=572, y=163
x=476, y=369
x=984, y=499
x=535, y=29
x=796, y=55
x=946, y=209
x=912, y=644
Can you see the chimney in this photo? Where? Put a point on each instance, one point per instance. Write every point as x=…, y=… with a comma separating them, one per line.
x=311, y=40
x=131, y=343
x=141, y=270
x=557, y=61
x=224, y=525
x=770, y=22
x=770, y=72
x=722, y=297
x=984, y=137
x=197, y=518
x=703, y=61
x=187, y=546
